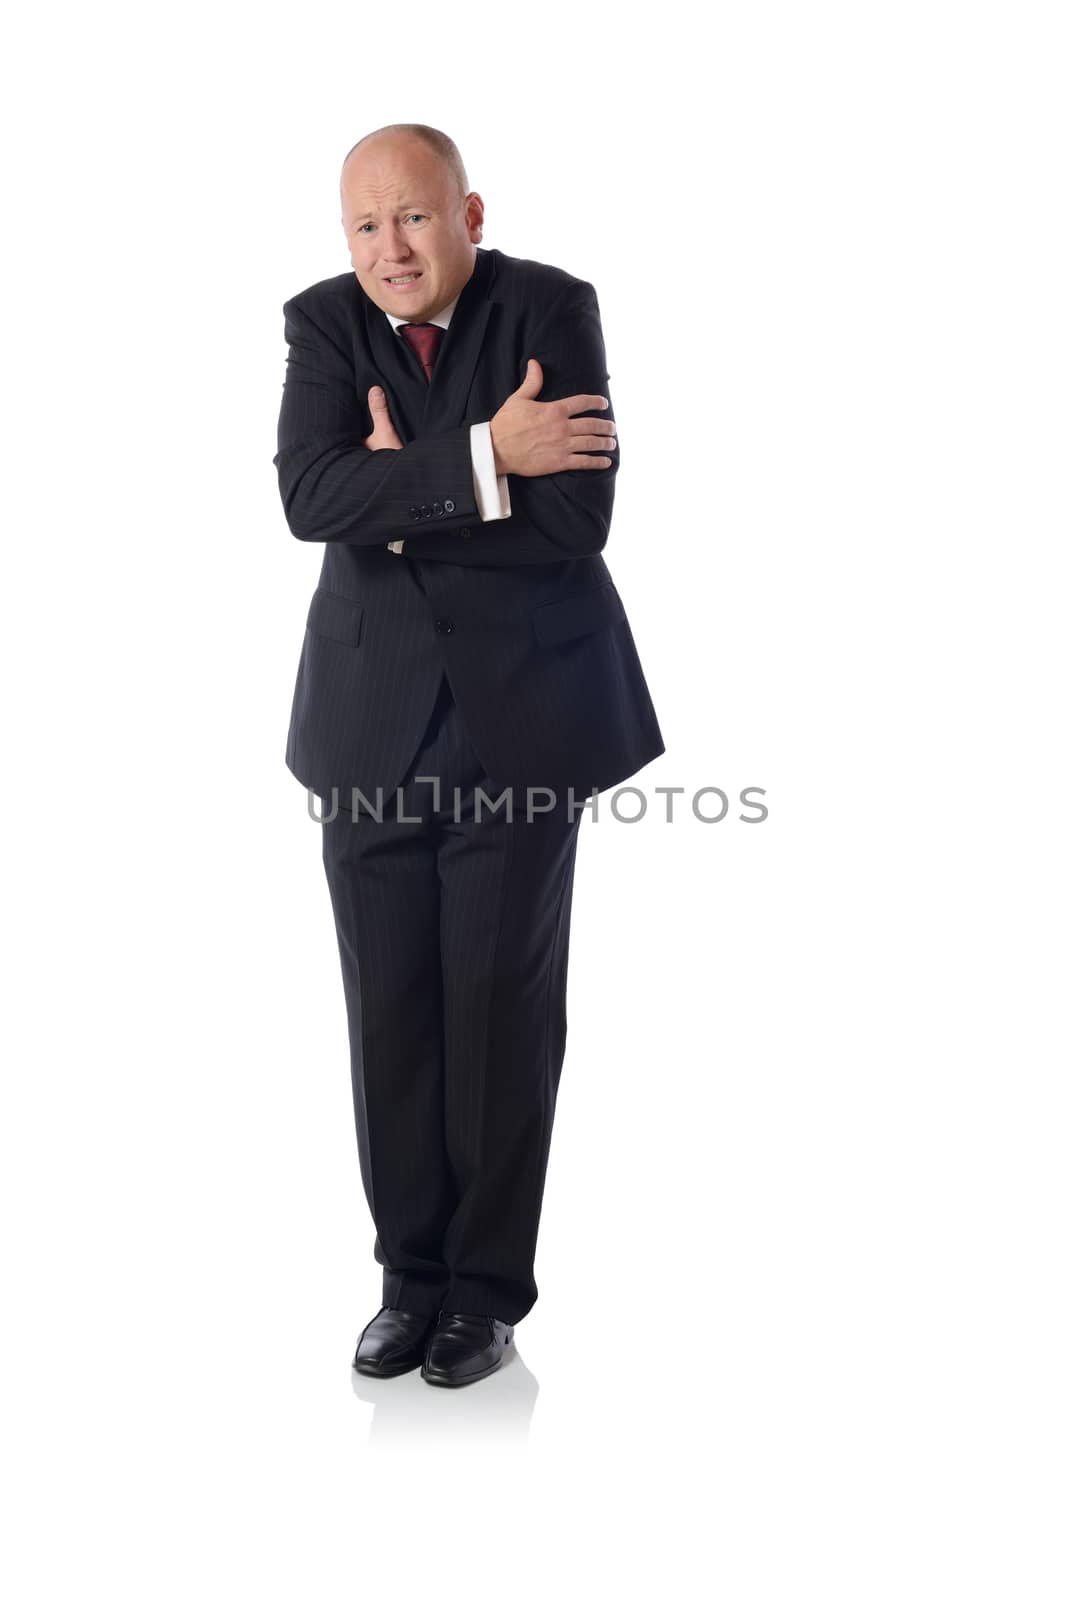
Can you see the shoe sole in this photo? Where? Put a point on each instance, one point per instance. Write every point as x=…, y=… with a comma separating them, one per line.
x=443, y=1382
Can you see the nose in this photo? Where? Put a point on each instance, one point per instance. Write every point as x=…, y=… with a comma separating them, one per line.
x=393, y=244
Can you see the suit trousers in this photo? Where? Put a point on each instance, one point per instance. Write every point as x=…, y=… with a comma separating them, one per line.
x=453, y=928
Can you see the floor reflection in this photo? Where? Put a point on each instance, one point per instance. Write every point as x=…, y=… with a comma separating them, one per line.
x=495, y=1410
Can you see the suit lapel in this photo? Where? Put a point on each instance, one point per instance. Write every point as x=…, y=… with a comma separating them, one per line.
x=438, y=406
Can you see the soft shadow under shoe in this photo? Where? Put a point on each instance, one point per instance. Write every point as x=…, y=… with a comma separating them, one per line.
x=464, y=1347
x=393, y=1342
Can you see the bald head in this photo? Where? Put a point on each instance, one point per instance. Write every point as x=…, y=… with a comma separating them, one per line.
x=437, y=142
x=410, y=223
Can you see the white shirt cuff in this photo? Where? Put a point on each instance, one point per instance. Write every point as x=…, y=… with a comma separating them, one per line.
x=491, y=492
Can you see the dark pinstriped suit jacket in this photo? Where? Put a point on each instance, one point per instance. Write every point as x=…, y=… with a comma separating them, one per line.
x=521, y=614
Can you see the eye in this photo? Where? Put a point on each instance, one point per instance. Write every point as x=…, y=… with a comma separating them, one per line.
x=420, y=216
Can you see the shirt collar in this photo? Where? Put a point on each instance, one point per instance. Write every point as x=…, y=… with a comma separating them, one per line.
x=442, y=318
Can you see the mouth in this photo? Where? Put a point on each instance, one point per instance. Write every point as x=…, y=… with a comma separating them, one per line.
x=404, y=280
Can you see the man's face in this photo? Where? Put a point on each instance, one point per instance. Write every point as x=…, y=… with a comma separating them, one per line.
x=402, y=215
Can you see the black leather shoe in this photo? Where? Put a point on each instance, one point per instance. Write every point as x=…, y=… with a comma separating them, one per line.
x=463, y=1348
x=393, y=1342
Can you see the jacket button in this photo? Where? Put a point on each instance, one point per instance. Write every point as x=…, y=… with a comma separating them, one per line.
x=439, y=509
x=413, y=511
x=442, y=625
x=450, y=505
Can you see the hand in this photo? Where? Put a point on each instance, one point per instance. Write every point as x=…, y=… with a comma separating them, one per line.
x=383, y=435
x=535, y=437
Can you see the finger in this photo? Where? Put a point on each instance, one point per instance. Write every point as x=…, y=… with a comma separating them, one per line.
x=584, y=402
x=591, y=441
x=532, y=379
x=582, y=463
x=377, y=400
x=599, y=425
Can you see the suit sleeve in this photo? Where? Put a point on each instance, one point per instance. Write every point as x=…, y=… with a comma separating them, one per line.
x=563, y=514
x=491, y=489
x=332, y=487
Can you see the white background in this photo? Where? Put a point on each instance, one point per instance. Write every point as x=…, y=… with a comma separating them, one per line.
x=801, y=1328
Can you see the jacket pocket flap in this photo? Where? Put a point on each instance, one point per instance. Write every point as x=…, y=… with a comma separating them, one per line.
x=577, y=614
x=335, y=617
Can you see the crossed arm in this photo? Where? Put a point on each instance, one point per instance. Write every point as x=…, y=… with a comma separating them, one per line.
x=337, y=486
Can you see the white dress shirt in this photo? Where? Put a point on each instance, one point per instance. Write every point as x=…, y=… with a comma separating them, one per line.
x=491, y=491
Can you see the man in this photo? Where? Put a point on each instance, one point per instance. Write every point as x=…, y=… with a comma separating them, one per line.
x=468, y=678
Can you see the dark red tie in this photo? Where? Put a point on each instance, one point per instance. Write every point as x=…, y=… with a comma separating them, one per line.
x=424, y=338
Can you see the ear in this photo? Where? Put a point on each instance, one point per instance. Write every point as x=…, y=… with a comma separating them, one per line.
x=475, y=213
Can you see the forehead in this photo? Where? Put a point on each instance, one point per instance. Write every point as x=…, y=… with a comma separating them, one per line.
x=381, y=175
